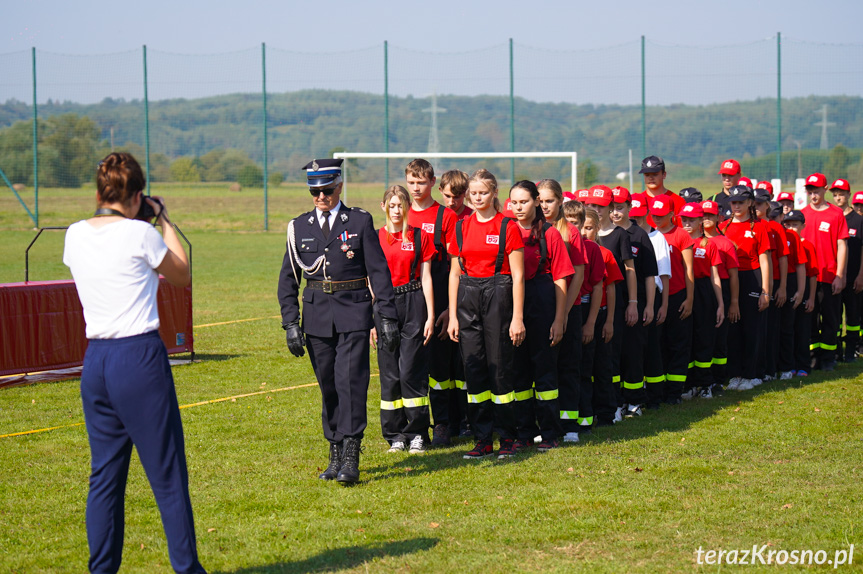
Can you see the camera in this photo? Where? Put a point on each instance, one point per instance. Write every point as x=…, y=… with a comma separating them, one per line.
x=146, y=212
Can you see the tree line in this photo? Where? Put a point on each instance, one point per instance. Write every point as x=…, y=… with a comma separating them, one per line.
x=221, y=138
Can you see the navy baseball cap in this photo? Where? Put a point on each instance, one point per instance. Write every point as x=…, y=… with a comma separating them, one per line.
x=652, y=164
x=795, y=215
x=691, y=195
x=761, y=195
x=323, y=172
x=740, y=193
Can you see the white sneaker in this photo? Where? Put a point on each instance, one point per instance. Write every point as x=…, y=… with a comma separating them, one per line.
x=632, y=411
x=690, y=394
x=397, y=446
x=756, y=382
x=769, y=378
x=417, y=445
x=706, y=393
x=733, y=384
x=618, y=415
x=570, y=437
x=786, y=375
x=537, y=439
x=744, y=385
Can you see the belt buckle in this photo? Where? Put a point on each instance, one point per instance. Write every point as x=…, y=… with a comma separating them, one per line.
x=328, y=287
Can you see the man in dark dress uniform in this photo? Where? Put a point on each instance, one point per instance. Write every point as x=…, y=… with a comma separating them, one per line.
x=336, y=249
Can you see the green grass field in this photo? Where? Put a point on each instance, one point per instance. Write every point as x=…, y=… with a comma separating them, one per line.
x=780, y=465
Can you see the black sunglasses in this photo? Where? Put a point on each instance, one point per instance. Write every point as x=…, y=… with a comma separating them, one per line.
x=328, y=191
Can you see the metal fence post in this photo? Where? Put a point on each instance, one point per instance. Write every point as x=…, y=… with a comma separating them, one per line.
x=386, y=115
x=511, y=116
x=146, y=122
x=643, y=106
x=35, y=146
x=266, y=155
x=778, y=105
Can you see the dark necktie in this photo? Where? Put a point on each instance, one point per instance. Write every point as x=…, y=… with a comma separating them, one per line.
x=325, y=228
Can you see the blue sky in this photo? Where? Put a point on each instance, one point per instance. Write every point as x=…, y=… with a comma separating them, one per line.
x=579, y=52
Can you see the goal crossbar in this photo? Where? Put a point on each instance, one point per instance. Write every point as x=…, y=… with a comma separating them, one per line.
x=573, y=156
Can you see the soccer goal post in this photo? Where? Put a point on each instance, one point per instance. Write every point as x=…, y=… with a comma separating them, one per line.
x=573, y=156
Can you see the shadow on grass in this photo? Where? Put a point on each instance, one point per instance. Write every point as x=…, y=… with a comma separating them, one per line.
x=436, y=460
x=342, y=558
x=675, y=418
x=207, y=357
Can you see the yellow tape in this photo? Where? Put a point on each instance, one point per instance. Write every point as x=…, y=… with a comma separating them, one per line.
x=235, y=321
x=181, y=406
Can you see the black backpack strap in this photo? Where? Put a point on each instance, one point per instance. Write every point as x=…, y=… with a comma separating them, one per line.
x=459, y=237
x=543, y=249
x=501, y=246
x=438, y=230
x=417, y=253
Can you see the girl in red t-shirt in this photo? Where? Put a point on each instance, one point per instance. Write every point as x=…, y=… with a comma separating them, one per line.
x=547, y=267
x=569, y=362
x=486, y=293
x=745, y=336
x=404, y=372
x=708, y=310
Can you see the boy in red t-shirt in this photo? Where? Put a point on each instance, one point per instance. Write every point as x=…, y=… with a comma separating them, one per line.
x=653, y=169
x=591, y=294
x=677, y=332
x=446, y=373
x=453, y=187
x=794, y=222
x=827, y=229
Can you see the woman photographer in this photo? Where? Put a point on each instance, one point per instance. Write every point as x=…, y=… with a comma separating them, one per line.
x=126, y=385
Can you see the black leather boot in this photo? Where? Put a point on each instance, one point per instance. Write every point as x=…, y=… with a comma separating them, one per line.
x=350, y=471
x=335, y=465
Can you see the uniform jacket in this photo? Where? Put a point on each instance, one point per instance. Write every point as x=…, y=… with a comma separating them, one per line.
x=352, y=251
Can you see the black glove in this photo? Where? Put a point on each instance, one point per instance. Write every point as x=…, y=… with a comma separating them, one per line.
x=389, y=334
x=294, y=336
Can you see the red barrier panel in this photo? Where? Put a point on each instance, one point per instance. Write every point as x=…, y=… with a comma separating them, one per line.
x=42, y=324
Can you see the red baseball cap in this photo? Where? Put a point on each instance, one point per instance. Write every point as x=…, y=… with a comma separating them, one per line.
x=582, y=195
x=785, y=196
x=765, y=185
x=660, y=205
x=569, y=196
x=691, y=210
x=639, y=205
x=858, y=198
x=729, y=167
x=745, y=181
x=620, y=194
x=710, y=207
x=841, y=185
x=599, y=195
x=507, y=211
x=816, y=180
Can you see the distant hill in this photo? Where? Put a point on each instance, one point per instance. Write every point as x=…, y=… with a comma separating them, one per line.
x=304, y=124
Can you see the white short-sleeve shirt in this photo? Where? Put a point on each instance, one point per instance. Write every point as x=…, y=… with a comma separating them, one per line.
x=663, y=258
x=114, y=271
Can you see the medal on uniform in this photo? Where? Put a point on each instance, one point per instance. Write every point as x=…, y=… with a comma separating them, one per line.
x=350, y=254
x=344, y=246
x=344, y=238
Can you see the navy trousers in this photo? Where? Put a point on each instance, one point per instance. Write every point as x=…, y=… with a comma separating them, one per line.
x=129, y=399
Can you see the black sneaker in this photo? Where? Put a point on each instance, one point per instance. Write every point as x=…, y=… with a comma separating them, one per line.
x=440, y=436
x=507, y=448
x=547, y=445
x=522, y=443
x=481, y=450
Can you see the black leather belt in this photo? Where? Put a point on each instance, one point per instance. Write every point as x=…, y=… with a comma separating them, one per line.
x=333, y=286
x=408, y=287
